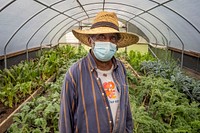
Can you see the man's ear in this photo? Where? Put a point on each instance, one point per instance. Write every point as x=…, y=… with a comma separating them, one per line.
x=89, y=40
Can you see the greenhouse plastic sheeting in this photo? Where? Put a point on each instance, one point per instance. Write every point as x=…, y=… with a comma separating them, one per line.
x=26, y=24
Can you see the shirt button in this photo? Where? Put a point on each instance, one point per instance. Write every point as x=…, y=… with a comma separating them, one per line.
x=102, y=94
x=110, y=122
x=97, y=78
x=106, y=107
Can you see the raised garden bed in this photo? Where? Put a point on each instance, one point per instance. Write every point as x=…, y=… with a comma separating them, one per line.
x=6, y=113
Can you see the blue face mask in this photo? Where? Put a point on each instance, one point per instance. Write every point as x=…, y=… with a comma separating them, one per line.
x=104, y=51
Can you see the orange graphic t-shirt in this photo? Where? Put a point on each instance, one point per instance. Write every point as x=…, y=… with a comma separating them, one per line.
x=110, y=89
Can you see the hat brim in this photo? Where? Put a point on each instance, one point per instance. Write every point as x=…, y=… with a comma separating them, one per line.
x=126, y=38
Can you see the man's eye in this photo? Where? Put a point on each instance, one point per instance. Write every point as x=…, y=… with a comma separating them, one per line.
x=101, y=37
x=113, y=38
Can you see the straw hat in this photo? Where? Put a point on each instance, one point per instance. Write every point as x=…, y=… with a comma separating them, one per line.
x=105, y=23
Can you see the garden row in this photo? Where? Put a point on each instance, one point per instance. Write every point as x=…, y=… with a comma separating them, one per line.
x=167, y=69
x=164, y=100
x=159, y=103
x=22, y=81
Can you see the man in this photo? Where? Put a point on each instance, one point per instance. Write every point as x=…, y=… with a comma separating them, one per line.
x=94, y=96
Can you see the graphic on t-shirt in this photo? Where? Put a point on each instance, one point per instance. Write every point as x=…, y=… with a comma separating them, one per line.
x=109, y=88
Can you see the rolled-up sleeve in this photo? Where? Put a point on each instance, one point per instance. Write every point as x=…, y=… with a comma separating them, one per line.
x=66, y=123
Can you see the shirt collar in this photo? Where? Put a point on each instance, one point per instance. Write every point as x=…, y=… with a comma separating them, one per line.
x=93, y=63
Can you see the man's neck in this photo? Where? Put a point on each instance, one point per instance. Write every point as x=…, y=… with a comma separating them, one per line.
x=102, y=65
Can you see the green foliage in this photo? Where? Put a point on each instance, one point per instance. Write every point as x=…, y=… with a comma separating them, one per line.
x=132, y=79
x=135, y=59
x=21, y=80
x=18, y=81
x=170, y=70
x=158, y=107
x=158, y=101
x=42, y=114
x=157, y=104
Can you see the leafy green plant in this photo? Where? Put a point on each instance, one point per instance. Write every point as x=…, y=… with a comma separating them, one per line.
x=18, y=82
x=42, y=114
x=7, y=95
x=22, y=79
x=158, y=107
x=135, y=58
x=170, y=70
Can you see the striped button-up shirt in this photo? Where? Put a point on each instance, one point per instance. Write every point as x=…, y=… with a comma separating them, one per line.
x=84, y=105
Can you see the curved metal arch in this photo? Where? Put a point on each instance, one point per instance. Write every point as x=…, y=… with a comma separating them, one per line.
x=161, y=22
x=142, y=24
x=50, y=7
x=179, y=16
x=143, y=12
x=119, y=14
x=94, y=15
x=87, y=15
x=37, y=32
x=66, y=30
x=89, y=4
x=147, y=11
x=27, y=22
x=148, y=30
x=63, y=32
x=46, y=23
x=162, y=4
x=175, y=34
x=7, y=5
x=5, y=57
x=52, y=30
x=82, y=7
x=91, y=17
x=97, y=9
x=137, y=22
x=5, y=61
x=101, y=3
x=177, y=37
x=155, y=28
x=112, y=3
x=76, y=23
